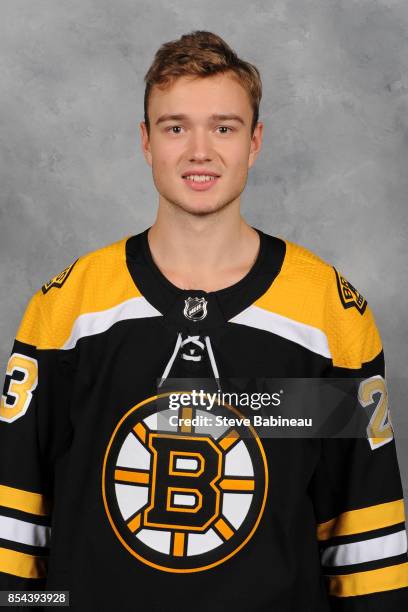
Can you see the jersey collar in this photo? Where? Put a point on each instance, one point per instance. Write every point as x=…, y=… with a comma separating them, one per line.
x=221, y=305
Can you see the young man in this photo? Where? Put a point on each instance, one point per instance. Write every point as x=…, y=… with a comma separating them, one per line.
x=126, y=510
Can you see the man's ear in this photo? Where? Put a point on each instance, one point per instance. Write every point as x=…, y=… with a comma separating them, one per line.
x=145, y=142
x=256, y=143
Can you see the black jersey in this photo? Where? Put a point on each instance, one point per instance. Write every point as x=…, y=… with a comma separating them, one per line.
x=103, y=496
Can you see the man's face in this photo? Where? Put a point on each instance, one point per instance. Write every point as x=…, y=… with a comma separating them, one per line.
x=189, y=135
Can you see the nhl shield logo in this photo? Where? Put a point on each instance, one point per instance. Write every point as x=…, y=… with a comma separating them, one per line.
x=195, y=309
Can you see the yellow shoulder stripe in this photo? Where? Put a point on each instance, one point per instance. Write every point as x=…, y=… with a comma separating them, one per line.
x=306, y=291
x=362, y=520
x=100, y=280
x=298, y=290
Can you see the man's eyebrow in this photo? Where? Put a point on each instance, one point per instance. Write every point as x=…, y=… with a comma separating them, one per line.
x=228, y=117
x=214, y=117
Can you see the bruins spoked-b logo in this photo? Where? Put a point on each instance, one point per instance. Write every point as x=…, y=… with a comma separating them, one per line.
x=180, y=495
x=349, y=296
x=195, y=308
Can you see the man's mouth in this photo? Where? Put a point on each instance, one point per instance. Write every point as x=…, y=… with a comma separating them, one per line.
x=200, y=182
x=200, y=178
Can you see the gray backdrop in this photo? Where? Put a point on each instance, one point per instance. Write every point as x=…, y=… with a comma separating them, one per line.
x=332, y=175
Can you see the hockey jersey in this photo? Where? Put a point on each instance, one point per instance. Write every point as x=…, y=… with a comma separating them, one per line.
x=102, y=498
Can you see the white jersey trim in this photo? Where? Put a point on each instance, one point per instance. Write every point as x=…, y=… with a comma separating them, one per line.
x=308, y=336
x=367, y=550
x=24, y=532
x=91, y=323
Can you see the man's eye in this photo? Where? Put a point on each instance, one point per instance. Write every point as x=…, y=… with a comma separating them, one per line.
x=225, y=127
x=174, y=127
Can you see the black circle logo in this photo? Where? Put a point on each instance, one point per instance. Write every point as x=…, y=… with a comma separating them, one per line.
x=183, y=494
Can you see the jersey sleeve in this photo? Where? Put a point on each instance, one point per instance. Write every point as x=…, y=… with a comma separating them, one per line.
x=33, y=397
x=356, y=489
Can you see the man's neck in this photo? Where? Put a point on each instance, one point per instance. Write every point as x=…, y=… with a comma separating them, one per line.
x=205, y=255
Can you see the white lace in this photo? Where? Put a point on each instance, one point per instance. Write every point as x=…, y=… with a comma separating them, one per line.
x=180, y=343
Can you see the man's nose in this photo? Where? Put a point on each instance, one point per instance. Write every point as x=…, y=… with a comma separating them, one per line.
x=200, y=145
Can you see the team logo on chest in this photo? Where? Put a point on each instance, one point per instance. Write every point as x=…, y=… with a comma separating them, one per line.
x=183, y=497
x=195, y=309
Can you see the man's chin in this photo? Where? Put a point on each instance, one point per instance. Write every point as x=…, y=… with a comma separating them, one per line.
x=199, y=208
x=201, y=211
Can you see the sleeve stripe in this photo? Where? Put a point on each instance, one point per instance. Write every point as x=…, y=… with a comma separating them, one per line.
x=34, y=503
x=362, y=520
x=368, y=550
x=373, y=581
x=21, y=564
x=24, y=532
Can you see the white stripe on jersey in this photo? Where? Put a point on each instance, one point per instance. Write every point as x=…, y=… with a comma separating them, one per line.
x=366, y=550
x=24, y=532
x=91, y=323
x=308, y=336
